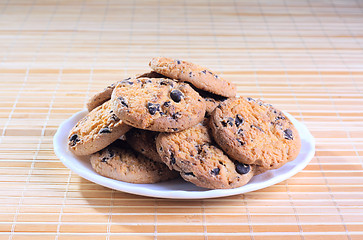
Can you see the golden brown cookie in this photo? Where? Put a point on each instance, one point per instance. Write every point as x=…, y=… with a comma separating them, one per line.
x=201, y=77
x=254, y=132
x=118, y=161
x=157, y=104
x=96, y=131
x=105, y=95
x=199, y=160
x=143, y=141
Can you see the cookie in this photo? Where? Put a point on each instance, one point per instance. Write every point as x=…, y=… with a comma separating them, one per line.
x=143, y=141
x=105, y=95
x=96, y=130
x=157, y=104
x=201, y=77
x=120, y=162
x=200, y=161
x=254, y=132
x=211, y=100
x=100, y=97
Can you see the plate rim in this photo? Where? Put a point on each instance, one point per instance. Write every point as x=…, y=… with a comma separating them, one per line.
x=177, y=194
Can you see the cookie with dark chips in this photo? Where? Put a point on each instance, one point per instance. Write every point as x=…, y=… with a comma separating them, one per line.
x=254, y=132
x=200, y=161
x=157, y=104
x=200, y=77
x=105, y=95
x=96, y=130
x=118, y=161
x=143, y=141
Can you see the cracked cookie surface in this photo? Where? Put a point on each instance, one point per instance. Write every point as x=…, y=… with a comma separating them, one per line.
x=99, y=98
x=254, y=132
x=157, y=104
x=200, y=77
x=200, y=161
x=118, y=161
x=96, y=130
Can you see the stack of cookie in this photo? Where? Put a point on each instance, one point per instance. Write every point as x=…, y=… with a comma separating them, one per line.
x=182, y=119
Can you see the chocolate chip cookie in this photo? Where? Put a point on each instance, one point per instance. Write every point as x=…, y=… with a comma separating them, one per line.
x=105, y=95
x=157, y=104
x=200, y=77
x=96, y=130
x=120, y=162
x=143, y=141
x=199, y=160
x=254, y=132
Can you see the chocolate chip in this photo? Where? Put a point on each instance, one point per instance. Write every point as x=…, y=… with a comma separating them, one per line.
x=104, y=159
x=189, y=174
x=288, y=134
x=204, y=71
x=178, y=61
x=190, y=74
x=73, y=140
x=172, y=159
x=239, y=120
x=240, y=142
x=166, y=104
x=114, y=118
x=123, y=101
x=104, y=130
x=176, y=95
x=215, y=171
x=250, y=99
x=175, y=129
x=176, y=115
x=210, y=72
x=153, y=108
x=166, y=82
x=242, y=168
x=216, y=76
x=227, y=121
x=240, y=132
x=126, y=81
x=280, y=117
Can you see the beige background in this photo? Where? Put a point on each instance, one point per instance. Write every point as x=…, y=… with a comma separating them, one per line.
x=304, y=57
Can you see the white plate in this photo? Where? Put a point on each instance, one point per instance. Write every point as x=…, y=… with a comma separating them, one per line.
x=178, y=188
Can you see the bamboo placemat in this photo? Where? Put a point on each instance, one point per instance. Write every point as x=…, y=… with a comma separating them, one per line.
x=305, y=57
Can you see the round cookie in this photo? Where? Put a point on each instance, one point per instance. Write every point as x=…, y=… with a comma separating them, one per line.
x=100, y=97
x=200, y=77
x=253, y=132
x=157, y=104
x=143, y=141
x=96, y=131
x=211, y=101
x=105, y=95
x=199, y=160
x=119, y=162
